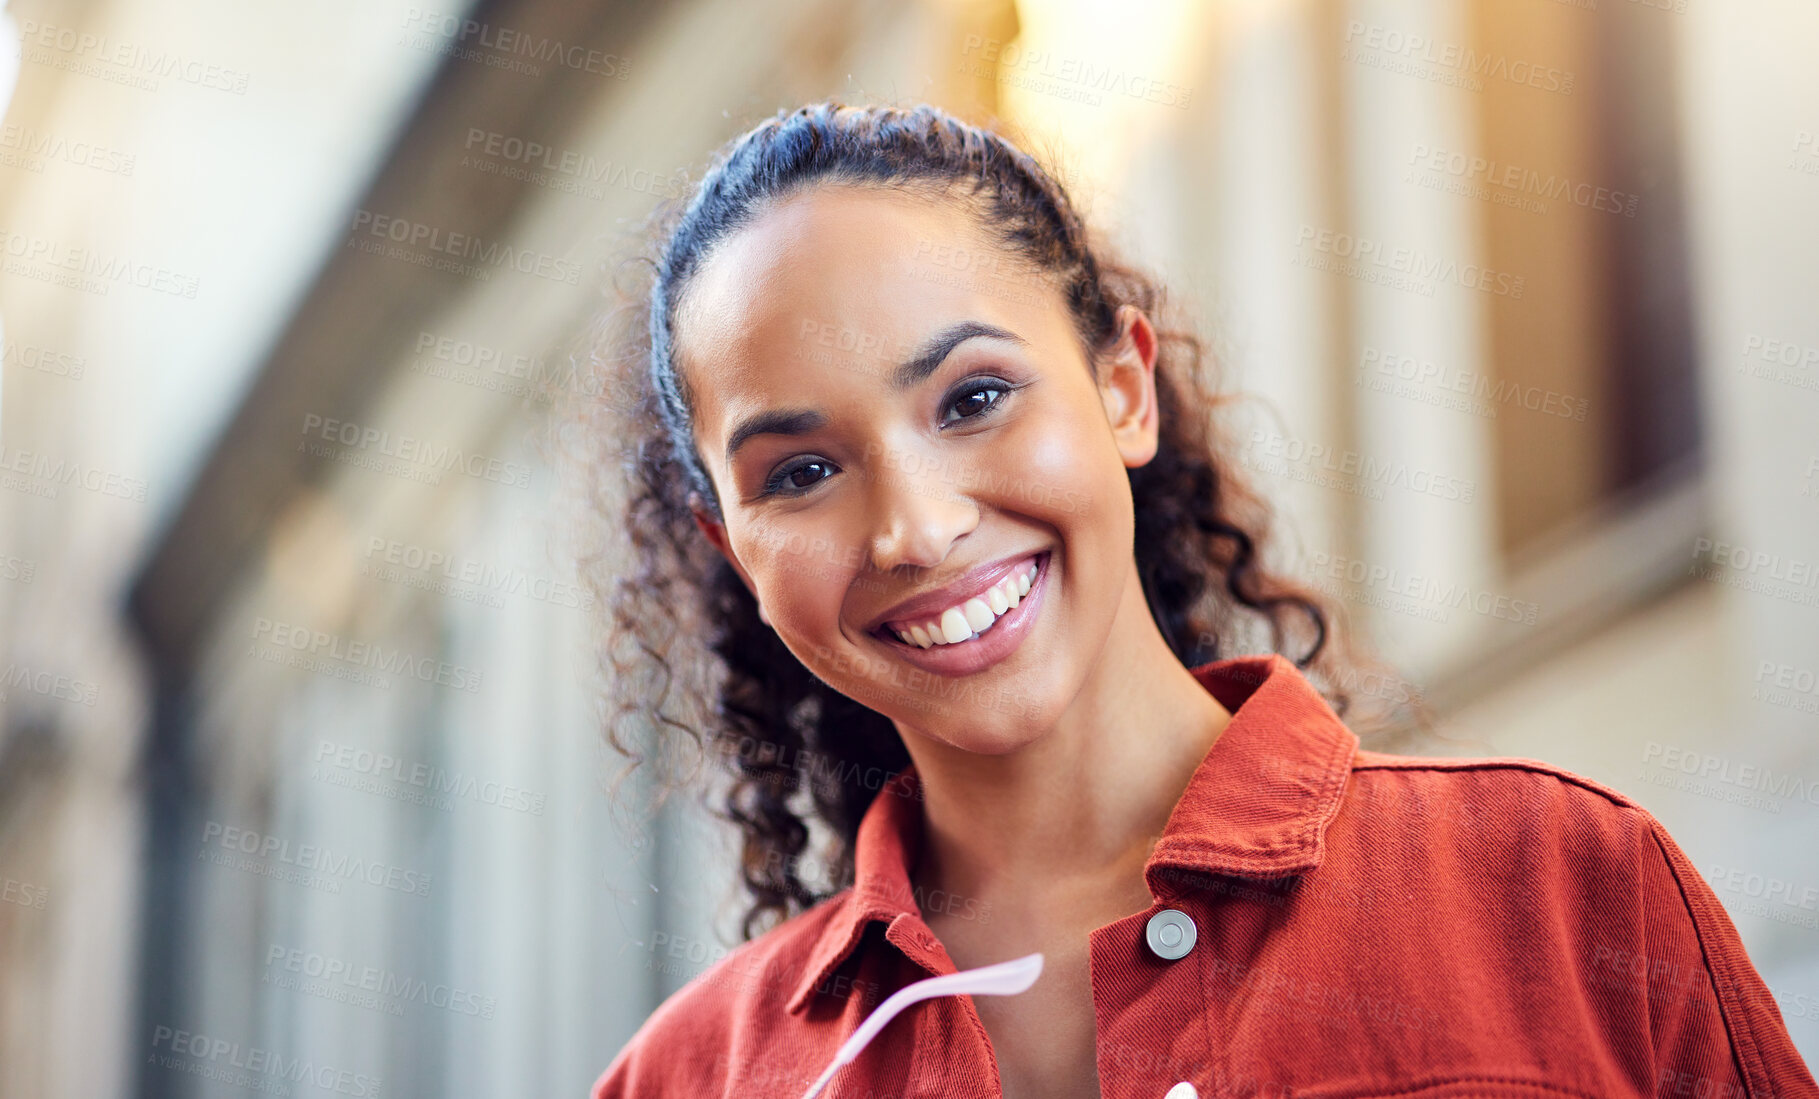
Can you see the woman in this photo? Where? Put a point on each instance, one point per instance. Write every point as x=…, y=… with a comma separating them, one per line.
x=920, y=472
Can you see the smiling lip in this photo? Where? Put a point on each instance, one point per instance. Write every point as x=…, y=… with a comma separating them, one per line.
x=999, y=641
x=929, y=605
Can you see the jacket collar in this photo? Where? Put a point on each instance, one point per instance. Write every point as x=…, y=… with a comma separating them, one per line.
x=1257, y=806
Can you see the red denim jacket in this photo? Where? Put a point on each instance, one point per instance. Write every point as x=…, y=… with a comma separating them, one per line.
x=1364, y=924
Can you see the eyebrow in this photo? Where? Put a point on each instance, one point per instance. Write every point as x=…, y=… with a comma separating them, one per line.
x=934, y=352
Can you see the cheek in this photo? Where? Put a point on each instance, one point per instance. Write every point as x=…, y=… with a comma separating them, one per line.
x=802, y=590
x=799, y=579
x=1067, y=472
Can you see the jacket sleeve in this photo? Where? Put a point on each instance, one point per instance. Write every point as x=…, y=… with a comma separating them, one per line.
x=616, y=1081
x=677, y=1051
x=1722, y=1003
x=663, y=1059
x=635, y=1074
x=611, y=1083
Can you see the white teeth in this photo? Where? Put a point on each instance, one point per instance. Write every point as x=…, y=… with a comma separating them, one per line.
x=954, y=626
x=973, y=617
x=995, y=598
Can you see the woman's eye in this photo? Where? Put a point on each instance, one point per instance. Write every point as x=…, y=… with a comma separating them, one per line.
x=972, y=403
x=788, y=480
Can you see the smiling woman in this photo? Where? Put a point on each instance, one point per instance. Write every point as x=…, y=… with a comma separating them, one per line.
x=921, y=400
x=925, y=504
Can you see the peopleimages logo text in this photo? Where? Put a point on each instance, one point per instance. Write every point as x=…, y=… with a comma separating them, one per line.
x=1419, y=49
x=382, y=983
x=509, y=42
x=466, y=247
x=309, y=856
x=442, y=457
x=1411, y=262
x=319, y=643
x=439, y=779
x=252, y=1067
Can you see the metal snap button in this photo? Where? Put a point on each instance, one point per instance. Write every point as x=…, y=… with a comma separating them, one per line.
x=1170, y=934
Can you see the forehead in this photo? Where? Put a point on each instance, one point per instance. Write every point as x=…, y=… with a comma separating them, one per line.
x=829, y=289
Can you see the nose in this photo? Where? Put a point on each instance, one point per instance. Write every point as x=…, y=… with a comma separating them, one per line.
x=915, y=513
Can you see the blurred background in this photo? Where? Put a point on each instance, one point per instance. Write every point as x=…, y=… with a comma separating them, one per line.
x=298, y=756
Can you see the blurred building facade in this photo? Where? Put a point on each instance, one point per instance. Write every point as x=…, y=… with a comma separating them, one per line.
x=298, y=760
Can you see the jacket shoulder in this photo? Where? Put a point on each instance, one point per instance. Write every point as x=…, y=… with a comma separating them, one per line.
x=1506, y=774
x=684, y=1046
x=1495, y=798
x=1530, y=816
x=1626, y=907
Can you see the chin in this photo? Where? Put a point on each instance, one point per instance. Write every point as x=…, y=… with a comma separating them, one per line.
x=987, y=742
x=987, y=731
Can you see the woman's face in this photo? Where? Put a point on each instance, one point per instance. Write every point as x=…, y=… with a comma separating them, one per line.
x=898, y=421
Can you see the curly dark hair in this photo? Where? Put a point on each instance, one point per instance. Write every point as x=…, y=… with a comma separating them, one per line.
x=683, y=655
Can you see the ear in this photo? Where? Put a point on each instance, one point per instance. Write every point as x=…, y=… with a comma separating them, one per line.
x=1127, y=386
x=715, y=532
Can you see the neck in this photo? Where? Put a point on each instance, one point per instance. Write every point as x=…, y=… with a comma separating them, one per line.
x=1084, y=802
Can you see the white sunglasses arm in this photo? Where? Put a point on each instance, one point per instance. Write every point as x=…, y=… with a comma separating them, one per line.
x=1002, y=979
